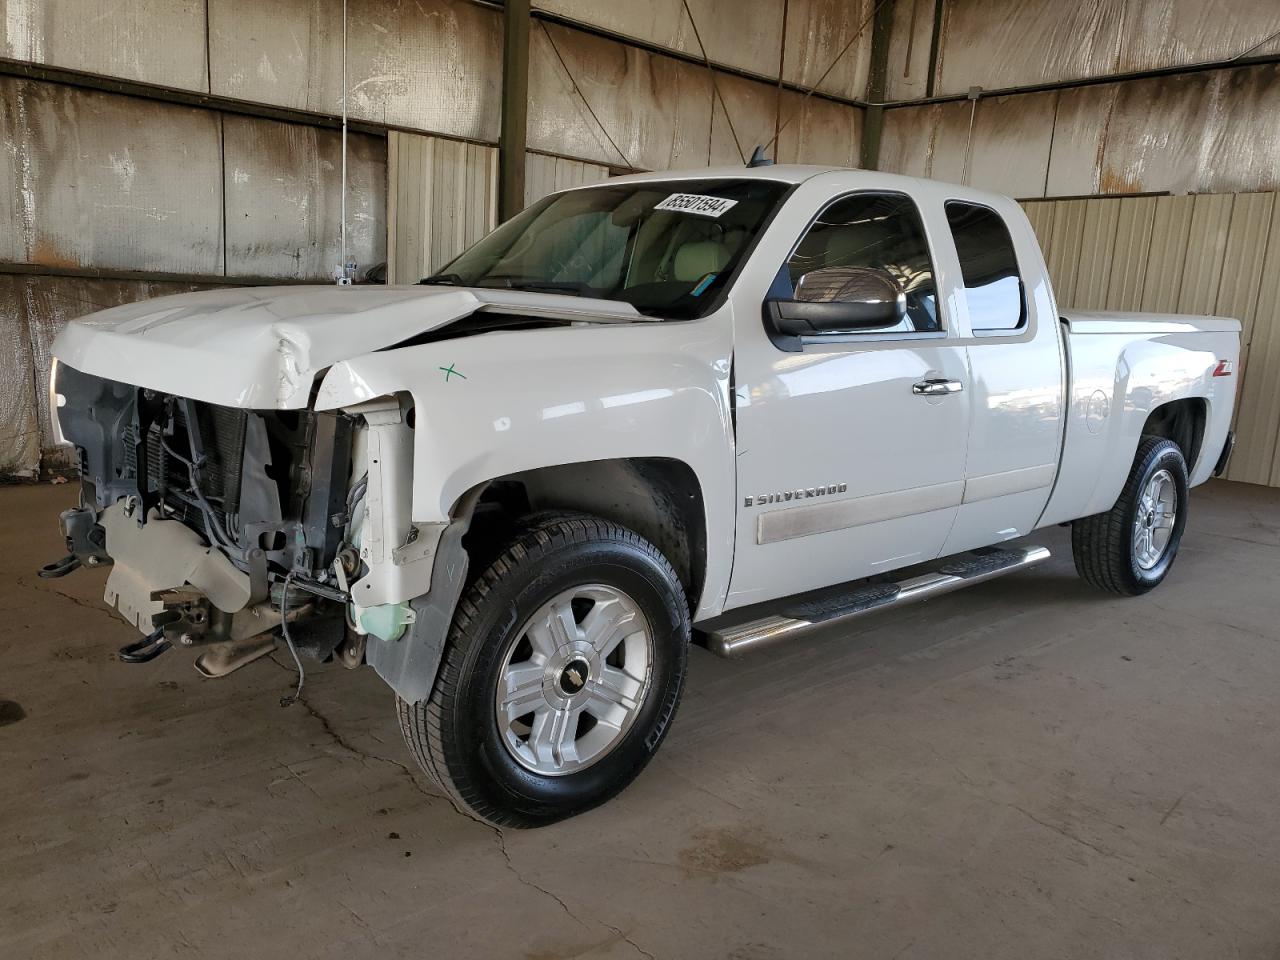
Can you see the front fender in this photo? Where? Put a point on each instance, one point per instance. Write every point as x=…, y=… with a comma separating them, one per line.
x=490, y=405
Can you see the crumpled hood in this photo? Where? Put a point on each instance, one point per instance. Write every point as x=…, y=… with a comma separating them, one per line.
x=261, y=347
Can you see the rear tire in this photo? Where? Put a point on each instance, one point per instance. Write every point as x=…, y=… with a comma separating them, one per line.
x=563, y=670
x=1129, y=549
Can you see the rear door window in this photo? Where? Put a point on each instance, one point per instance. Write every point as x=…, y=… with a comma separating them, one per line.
x=989, y=267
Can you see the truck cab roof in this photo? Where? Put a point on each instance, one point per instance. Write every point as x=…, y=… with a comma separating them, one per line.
x=797, y=173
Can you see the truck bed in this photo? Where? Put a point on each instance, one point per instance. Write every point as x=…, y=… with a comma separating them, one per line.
x=1146, y=324
x=1120, y=367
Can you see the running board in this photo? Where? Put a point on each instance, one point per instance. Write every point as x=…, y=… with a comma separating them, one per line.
x=808, y=612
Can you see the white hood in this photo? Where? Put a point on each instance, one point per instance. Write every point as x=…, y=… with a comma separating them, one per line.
x=261, y=347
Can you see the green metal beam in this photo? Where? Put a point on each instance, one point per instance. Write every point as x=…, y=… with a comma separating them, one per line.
x=877, y=85
x=515, y=108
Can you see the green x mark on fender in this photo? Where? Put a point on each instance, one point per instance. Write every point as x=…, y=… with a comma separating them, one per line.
x=449, y=371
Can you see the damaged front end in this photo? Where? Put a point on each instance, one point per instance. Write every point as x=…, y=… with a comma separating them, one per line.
x=218, y=522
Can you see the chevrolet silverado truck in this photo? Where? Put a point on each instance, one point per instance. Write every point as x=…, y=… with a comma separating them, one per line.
x=730, y=406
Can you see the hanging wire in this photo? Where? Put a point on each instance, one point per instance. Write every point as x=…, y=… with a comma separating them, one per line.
x=968, y=140
x=1267, y=39
x=583, y=97
x=284, y=629
x=845, y=49
x=342, y=230
x=715, y=87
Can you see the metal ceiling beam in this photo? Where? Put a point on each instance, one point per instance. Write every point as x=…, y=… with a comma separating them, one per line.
x=515, y=108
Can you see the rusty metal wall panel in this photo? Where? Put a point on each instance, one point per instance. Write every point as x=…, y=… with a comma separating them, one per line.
x=1206, y=246
x=1162, y=33
x=1170, y=232
x=153, y=41
x=817, y=32
x=19, y=423
x=753, y=111
x=425, y=64
x=907, y=74
x=443, y=198
x=1079, y=139
x=656, y=109
x=1006, y=43
x=544, y=175
x=1097, y=254
x=95, y=179
x=926, y=141
x=284, y=200
x=1065, y=243
x=1133, y=248
x=820, y=131
x=738, y=33
x=1011, y=140
x=1257, y=456
x=1212, y=132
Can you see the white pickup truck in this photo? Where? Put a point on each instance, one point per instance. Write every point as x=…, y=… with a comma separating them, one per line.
x=728, y=405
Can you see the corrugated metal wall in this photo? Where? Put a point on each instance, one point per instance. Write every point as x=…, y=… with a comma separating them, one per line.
x=443, y=197
x=544, y=175
x=1208, y=254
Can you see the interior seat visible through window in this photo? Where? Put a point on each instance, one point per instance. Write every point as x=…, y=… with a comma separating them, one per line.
x=874, y=231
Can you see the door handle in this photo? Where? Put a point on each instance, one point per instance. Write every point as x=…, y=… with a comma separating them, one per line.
x=936, y=388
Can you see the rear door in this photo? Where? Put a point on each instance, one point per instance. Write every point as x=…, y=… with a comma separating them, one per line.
x=846, y=466
x=1016, y=372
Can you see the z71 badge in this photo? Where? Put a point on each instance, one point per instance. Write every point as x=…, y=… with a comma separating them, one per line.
x=804, y=493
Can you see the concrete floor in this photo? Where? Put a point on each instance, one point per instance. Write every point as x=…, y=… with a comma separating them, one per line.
x=1026, y=769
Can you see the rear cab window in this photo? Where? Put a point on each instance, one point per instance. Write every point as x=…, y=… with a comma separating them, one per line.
x=989, y=267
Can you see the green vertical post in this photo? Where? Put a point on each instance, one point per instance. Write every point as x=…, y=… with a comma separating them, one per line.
x=877, y=85
x=515, y=108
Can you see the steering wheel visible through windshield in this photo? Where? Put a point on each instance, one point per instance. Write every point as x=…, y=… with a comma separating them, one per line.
x=666, y=247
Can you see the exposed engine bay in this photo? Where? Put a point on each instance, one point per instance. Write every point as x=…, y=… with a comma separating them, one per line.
x=220, y=523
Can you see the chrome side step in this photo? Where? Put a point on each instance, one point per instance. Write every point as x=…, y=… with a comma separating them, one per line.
x=805, y=616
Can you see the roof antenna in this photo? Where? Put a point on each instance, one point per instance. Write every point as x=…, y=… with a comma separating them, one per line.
x=345, y=271
x=758, y=159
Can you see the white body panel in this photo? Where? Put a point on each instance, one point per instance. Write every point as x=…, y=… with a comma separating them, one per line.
x=841, y=410
x=1122, y=368
x=1017, y=392
x=575, y=394
x=262, y=347
x=1044, y=431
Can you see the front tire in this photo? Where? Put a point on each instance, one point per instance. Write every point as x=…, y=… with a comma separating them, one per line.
x=1129, y=549
x=563, y=670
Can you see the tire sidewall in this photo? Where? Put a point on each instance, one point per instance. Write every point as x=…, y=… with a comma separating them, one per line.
x=478, y=741
x=1163, y=456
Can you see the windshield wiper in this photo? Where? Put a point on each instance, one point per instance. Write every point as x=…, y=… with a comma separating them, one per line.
x=534, y=284
x=451, y=279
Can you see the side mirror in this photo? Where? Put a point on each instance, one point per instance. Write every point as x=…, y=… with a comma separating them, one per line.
x=840, y=299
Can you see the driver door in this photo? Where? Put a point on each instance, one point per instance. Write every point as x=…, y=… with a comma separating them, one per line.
x=850, y=449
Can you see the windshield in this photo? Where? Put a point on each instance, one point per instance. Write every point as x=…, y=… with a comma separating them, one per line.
x=667, y=248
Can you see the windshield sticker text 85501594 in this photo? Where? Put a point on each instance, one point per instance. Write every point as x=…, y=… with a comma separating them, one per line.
x=695, y=203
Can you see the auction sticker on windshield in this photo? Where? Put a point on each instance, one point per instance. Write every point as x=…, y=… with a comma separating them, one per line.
x=696, y=203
